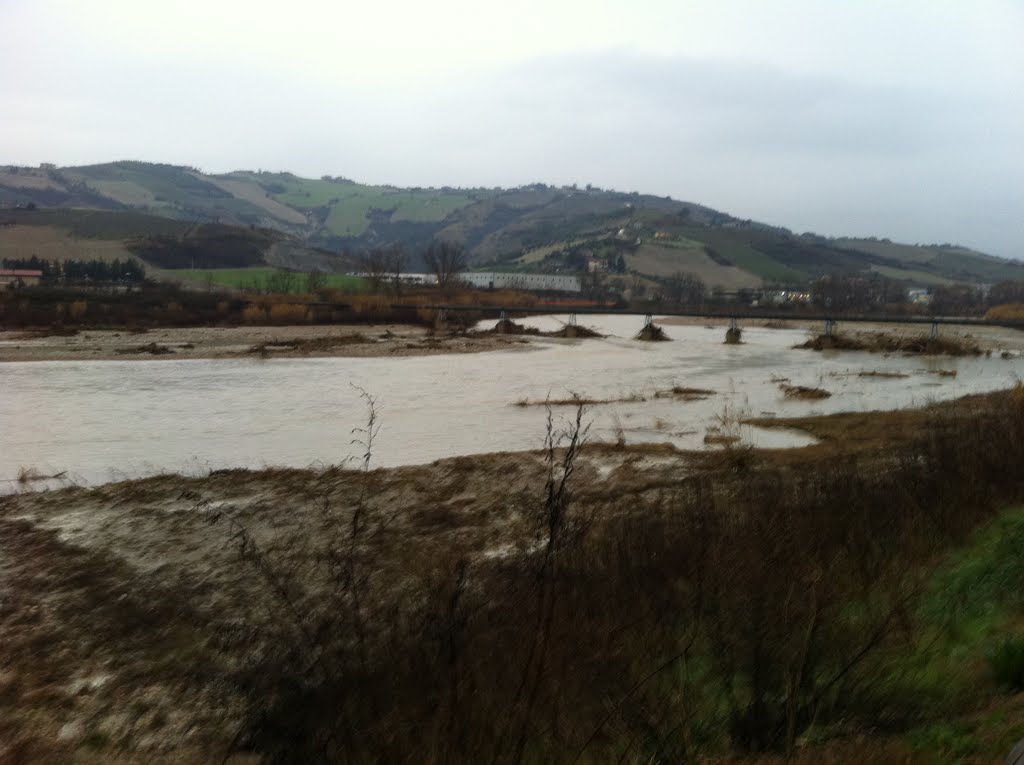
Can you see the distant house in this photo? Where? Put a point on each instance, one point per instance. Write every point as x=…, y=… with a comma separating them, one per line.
x=19, y=277
x=919, y=296
x=597, y=265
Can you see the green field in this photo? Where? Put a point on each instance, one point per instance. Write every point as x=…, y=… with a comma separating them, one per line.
x=731, y=245
x=256, y=278
x=351, y=203
x=162, y=186
x=917, y=277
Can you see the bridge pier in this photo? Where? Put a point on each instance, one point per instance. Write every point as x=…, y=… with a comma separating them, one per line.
x=648, y=320
x=502, y=326
x=734, y=333
x=441, y=320
x=830, y=327
x=933, y=333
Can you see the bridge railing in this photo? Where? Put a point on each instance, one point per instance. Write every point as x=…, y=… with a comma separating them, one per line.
x=829, y=319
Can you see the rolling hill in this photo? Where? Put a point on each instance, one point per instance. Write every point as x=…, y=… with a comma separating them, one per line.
x=299, y=223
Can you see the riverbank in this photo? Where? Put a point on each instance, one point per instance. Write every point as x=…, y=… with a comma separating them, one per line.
x=167, y=619
x=303, y=341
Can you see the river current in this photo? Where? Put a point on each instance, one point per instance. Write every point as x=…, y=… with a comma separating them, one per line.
x=98, y=421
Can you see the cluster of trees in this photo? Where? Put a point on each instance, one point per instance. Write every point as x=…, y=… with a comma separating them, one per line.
x=81, y=271
x=970, y=299
x=859, y=292
x=683, y=289
x=958, y=300
x=856, y=292
x=1006, y=292
x=384, y=266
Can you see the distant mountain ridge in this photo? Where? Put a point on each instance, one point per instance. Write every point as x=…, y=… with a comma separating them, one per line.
x=536, y=226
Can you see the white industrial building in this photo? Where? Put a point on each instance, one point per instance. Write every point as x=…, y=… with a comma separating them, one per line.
x=497, y=280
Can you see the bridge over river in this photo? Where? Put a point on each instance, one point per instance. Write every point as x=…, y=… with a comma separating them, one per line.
x=829, y=320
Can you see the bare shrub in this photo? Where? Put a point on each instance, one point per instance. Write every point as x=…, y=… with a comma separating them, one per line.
x=734, y=608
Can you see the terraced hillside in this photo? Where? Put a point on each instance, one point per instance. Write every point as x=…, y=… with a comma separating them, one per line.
x=170, y=249
x=530, y=227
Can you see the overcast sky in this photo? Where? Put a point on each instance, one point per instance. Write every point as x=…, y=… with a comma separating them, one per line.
x=900, y=119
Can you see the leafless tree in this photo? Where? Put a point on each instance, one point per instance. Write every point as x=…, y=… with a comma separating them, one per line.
x=591, y=285
x=280, y=282
x=376, y=265
x=446, y=260
x=684, y=289
x=396, y=264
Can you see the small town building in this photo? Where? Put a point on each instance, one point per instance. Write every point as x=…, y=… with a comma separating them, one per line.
x=19, y=277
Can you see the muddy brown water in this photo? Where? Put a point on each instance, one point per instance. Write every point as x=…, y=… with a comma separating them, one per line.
x=108, y=420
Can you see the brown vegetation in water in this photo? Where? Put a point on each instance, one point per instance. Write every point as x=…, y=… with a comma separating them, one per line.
x=874, y=373
x=153, y=349
x=684, y=393
x=885, y=342
x=31, y=474
x=632, y=398
x=574, y=330
x=715, y=438
x=677, y=391
x=310, y=345
x=652, y=333
x=804, y=392
x=508, y=327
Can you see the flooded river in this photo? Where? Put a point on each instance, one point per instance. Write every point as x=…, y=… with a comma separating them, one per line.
x=107, y=420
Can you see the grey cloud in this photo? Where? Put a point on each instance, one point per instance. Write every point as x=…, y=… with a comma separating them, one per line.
x=807, y=152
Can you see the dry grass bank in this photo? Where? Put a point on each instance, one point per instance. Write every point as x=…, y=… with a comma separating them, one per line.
x=621, y=604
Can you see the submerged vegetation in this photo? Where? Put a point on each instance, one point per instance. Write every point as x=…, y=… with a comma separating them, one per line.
x=886, y=342
x=509, y=327
x=652, y=333
x=804, y=392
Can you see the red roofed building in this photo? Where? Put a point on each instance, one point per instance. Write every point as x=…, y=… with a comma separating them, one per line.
x=19, y=277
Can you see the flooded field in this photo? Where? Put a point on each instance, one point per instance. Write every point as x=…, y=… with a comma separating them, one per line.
x=97, y=421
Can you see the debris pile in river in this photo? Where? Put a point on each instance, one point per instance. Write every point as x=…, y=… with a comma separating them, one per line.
x=153, y=349
x=804, y=392
x=652, y=333
x=509, y=327
x=885, y=342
